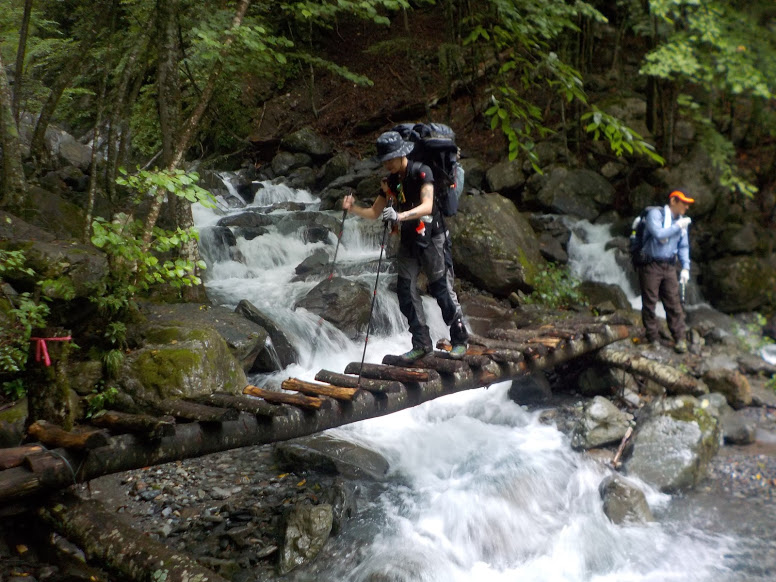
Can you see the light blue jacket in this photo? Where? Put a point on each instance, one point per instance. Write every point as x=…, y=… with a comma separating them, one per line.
x=663, y=244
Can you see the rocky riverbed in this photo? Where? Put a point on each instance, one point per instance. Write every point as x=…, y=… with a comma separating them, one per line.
x=228, y=509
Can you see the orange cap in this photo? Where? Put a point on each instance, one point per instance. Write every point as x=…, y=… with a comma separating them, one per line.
x=681, y=196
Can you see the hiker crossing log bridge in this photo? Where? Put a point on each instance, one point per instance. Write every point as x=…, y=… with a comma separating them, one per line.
x=117, y=441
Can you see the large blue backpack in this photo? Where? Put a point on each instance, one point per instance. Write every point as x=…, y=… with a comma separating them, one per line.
x=435, y=146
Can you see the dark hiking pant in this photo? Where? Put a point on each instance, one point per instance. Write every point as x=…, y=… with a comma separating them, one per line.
x=432, y=262
x=659, y=282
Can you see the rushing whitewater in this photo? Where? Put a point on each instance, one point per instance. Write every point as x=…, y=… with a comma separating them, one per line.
x=479, y=488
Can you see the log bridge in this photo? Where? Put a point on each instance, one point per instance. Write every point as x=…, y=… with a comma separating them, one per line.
x=116, y=441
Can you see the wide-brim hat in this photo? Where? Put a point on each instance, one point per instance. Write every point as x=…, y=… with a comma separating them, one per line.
x=391, y=145
x=681, y=196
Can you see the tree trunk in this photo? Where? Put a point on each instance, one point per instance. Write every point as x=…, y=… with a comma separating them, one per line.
x=120, y=110
x=65, y=78
x=107, y=538
x=13, y=186
x=21, y=51
x=93, y=162
x=167, y=76
x=48, y=389
x=192, y=123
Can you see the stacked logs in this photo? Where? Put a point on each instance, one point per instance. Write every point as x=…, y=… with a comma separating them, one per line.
x=117, y=441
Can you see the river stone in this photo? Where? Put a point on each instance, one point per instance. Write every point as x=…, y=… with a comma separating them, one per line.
x=285, y=352
x=342, y=302
x=307, y=529
x=732, y=384
x=330, y=455
x=671, y=449
x=530, y=389
x=494, y=246
x=624, y=503
x=602, y=423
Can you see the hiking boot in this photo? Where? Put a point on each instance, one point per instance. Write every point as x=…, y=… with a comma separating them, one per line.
x=680, y=347
x=458, y=351
x=415, y=354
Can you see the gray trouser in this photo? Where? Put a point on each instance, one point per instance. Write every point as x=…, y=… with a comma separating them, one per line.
x=432, y=261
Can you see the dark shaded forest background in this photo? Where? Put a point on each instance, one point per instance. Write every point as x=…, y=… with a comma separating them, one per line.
x=164, y=89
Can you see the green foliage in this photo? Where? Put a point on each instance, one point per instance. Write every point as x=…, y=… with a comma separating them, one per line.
x=750, y=333
x=523, y=32
x=622, y=139
x=113, y=360
x=99, y=399
x=14, y=389
x=24, y=315
x=720, y=149
x=556, y=288
x=135, y=266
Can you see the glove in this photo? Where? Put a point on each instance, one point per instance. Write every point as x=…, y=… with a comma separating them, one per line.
x=390, y=214
x=683, y=222
x=684, y=276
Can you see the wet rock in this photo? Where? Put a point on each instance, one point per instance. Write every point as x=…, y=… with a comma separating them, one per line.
x=623, y=501
x=307, y=529
x=732, y=384
x=330, y=455
x=602, y=423
x=530, y=389
x=673, y=444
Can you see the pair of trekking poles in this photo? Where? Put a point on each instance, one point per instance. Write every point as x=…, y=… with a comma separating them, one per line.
x=386, y=225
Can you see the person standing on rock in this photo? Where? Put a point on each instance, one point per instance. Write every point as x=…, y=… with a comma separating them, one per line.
x=406, y=198
x=666, y=242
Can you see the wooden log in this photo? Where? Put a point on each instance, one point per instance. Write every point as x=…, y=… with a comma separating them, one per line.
x=315, y=389
x=44, y=463
x=395, y=373
x=241, y=403
x=54, y=436
x=151, y=427
x=306, y=402
x=191, y=411
x=376, y=387
x=446, y=366
x=109, y=539
x=673, y=380
x=14, y=456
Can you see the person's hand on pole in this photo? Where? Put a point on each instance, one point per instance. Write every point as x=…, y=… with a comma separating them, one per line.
x=683, y=222
x=348, y=201
x=390, y=214
x=684, y=277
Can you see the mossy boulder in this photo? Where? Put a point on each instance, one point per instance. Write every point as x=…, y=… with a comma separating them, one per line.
x=740, y=283
x=494, y=246
x=673, y=445
x=181, y=362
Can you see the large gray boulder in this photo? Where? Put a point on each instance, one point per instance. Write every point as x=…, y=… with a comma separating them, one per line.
x=578, y=192
x=673, y=445
x=494, y=246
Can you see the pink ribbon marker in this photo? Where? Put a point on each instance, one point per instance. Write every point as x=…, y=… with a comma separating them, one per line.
x=41, y=349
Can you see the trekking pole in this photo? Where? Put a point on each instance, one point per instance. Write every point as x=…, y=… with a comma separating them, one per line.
x=374, y=297
x=328, y=280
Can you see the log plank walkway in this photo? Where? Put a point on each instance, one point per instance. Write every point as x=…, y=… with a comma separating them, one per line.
x=219, y=422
